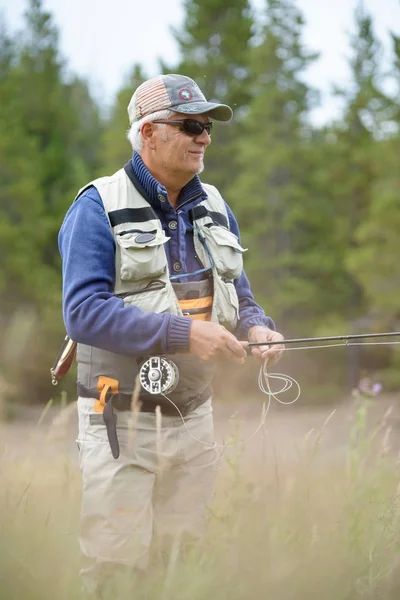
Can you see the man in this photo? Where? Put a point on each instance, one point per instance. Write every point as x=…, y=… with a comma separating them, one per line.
x=152, y=266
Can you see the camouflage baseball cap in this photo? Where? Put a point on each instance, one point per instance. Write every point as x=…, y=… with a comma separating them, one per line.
x=175, y=92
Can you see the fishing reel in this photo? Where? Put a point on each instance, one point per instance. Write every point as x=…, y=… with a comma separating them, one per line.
x=159, y=375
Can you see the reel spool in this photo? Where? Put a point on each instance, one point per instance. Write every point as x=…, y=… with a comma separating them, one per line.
x=158, y=375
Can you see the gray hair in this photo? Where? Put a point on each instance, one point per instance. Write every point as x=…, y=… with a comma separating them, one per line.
x=134, y=134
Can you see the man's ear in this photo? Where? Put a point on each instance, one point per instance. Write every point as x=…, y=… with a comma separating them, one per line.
x=148, y=130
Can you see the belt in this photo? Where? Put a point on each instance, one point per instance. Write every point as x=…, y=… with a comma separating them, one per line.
x=120, y=402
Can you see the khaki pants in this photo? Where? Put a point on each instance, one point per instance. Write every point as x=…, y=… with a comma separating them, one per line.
x=160, y=485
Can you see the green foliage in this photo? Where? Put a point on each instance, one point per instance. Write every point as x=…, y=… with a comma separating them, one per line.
x=50, y=131
x=115, y=148
x=272, y=195
x=373, y=261
x=215, y=42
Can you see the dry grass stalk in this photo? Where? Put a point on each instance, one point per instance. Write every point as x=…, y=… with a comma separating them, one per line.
x=386, y=446
x=59, y=425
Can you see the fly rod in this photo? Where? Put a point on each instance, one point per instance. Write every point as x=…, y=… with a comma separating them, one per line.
x=331, y=338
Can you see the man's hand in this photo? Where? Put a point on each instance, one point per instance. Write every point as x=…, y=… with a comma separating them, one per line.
x=260, y=333
x=210, y=341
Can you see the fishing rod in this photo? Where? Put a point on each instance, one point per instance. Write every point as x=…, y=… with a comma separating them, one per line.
x=330, y=338
x=68, y=349
x=159, y=375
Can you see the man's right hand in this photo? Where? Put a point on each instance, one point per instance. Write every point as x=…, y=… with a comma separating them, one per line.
x=211, y=341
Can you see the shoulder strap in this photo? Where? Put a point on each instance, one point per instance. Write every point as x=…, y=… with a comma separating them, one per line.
x=212, y=209
x=200, y=211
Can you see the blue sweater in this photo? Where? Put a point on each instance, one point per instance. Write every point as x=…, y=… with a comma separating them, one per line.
x=93, y=315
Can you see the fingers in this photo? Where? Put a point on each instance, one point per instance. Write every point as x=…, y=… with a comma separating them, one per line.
x=227, y=347
x=272, y=354
x=237, y=350
x=211, y=341
x=259, y=353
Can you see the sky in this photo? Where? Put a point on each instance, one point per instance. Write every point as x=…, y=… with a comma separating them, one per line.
x=102, y=39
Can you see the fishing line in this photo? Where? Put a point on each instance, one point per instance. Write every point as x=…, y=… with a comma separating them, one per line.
x=264, y=384
x=264, y=379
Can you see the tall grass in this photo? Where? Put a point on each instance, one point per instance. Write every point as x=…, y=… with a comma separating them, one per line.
x=304, y=530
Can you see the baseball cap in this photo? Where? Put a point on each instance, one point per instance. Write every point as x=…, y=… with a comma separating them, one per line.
x=174, y=92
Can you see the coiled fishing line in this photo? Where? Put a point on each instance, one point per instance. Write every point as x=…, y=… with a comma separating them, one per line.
x=264, y=379
x=288, y=382
x=264, y=386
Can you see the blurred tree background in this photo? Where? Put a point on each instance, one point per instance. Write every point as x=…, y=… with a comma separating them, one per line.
x=319, y=207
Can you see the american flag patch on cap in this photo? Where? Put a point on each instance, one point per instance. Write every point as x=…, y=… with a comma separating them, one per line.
x=150, y=97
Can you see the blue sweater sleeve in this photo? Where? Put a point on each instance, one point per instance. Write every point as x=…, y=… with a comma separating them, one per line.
x=250, y=313
x=92, y=314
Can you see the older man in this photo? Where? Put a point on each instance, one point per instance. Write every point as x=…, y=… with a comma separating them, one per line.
x=152, y=265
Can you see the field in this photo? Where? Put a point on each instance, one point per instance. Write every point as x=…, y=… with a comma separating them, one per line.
x=307, y=508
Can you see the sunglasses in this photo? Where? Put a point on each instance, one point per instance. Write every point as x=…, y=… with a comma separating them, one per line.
x=190, y=126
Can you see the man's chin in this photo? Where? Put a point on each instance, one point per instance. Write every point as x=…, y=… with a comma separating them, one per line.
x=200, y=167
x=196, y=168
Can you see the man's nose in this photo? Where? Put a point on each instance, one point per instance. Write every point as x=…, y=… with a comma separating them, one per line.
x=203, y=138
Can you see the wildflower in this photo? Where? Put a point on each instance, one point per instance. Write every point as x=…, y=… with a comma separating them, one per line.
x=366, y=387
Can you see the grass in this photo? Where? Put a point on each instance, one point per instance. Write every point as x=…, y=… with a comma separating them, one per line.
x=304, y=530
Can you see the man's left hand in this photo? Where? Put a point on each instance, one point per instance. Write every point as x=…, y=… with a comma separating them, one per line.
x=260, y=333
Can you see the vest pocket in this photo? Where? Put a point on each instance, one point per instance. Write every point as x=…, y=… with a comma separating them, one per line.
x=142, y=254
x=226, y=303
x=225, y=251
x=156, y=300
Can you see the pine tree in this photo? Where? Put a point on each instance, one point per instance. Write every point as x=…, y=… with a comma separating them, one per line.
x=21, y=198
x=373, y=262
x=45, y=152
x=270, y=195
x=214, y=45
x=351, y=172
x=115, y=148
x=84, y=153
x=50, y=125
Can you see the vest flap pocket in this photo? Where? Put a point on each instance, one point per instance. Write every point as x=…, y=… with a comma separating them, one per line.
x=225, y=251
x=224, y=237
x=158, y=301
x=141, y=239
x=142, y=254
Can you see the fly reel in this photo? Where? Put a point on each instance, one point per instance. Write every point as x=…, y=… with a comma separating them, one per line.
x=158, y=375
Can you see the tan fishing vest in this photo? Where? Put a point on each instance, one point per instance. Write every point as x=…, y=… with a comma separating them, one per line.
x=143, y=278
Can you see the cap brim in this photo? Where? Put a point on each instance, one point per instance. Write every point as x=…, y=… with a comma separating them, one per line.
x=219, y=112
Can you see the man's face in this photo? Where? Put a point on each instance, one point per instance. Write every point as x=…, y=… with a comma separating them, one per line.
x=179, y=152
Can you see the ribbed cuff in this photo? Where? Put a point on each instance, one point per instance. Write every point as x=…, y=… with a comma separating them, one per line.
x=178, y=339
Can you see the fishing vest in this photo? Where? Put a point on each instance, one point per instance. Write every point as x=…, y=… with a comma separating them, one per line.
x=143, y=280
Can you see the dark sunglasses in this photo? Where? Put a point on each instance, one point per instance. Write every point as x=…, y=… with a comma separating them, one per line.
x=190, y=126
